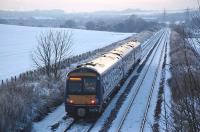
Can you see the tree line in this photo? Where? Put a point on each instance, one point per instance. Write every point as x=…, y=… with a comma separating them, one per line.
x=131, y=24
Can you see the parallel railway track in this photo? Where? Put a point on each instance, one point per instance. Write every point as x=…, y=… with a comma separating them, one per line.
x=152, y=88
x=85, y=126
x=137, y=90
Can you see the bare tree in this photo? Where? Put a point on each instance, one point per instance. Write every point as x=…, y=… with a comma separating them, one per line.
x=184, y=111
x=53, y=47
x=196, y=17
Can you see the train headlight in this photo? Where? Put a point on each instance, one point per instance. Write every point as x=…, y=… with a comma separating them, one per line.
x=70, y=101
x=93, y=101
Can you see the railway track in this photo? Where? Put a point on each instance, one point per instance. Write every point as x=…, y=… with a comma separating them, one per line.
x=126, y=112
x=152, y=88
x=80, y=125
x=150, y=43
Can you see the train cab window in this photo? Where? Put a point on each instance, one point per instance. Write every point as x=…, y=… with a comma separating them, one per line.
x=90, y=85
x=75, y=86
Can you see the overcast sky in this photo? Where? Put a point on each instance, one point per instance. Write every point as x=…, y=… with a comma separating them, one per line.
x=94, y=5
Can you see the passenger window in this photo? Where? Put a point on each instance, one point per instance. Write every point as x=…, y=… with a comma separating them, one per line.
x=90, y=85
x=75, y=87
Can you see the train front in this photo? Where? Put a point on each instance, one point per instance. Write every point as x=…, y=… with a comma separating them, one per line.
x=82, y=92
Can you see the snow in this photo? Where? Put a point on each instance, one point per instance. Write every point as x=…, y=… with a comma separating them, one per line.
x=80, y=127
x=53, y=118
x=18, y=42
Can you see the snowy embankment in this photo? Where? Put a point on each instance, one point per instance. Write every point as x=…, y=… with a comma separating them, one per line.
x=17, y=43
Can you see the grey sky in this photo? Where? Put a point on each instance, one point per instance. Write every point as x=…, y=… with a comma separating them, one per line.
x=93, y=5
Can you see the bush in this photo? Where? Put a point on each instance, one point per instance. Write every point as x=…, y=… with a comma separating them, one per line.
x=16, y=108
x=184, y=84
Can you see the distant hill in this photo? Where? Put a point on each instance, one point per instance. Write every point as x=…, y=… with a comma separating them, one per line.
x=54, y=14
x=59, y=18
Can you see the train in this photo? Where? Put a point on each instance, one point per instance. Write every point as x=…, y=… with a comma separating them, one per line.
x=90, y=85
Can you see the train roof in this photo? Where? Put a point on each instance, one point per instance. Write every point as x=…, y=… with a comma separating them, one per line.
x=107, y=60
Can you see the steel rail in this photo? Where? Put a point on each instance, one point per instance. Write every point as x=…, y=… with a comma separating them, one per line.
x=152, y=89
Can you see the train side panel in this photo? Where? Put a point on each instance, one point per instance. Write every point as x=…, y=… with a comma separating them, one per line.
x=111, y=78
x=128, y=62
x=117, y=73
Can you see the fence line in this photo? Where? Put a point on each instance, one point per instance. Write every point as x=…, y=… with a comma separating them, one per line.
x=74, y=59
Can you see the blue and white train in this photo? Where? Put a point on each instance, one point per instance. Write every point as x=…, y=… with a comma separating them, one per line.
x=90, y=85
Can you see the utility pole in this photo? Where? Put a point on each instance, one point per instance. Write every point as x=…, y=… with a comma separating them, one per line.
x=198, y=4
x=164, y=16
x=187, y=15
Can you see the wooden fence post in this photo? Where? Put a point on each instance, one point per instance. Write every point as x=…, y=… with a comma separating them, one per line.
x=11, y=79
x=7, y=82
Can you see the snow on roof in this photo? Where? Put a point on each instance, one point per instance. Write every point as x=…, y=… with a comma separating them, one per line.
x=106, y=61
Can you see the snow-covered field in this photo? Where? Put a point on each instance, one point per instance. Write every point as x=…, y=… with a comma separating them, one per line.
x=17, y=43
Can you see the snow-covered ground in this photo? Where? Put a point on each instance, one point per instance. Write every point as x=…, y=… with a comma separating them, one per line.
x=17, y=43
x=53, y=118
